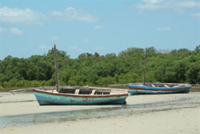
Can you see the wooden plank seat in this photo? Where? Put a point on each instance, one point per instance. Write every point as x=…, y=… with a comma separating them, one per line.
x=166, y=85
x=93, y=91
x=77, y=91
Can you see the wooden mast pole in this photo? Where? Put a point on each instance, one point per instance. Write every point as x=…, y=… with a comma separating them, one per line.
x=56, y=68
x=144, y=67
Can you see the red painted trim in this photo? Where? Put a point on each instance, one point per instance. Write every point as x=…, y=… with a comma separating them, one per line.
x=73, y=95
x=176, y=89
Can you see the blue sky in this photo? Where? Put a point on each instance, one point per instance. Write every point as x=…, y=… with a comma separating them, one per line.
x=30, y=27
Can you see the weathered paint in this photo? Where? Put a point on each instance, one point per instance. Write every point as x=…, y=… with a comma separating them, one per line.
x=138, y=89
x=48, y=98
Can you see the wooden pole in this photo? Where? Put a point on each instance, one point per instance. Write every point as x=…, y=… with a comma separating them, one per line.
x=144, y=67
x=56, y=68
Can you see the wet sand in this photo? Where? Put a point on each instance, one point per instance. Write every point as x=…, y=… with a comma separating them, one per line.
x=143, y=114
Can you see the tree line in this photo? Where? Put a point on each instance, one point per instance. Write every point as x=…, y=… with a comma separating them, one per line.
x=175, y=66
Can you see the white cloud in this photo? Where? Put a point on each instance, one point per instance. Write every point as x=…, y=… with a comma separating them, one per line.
x=189, y=4
x=163, y=29
x=70, y=9
x=150, y=6
x=75, y=48
x=97, y=27
x=20, y=16
x=72, y=14
x=86, y=40
x=55, y=38
x=13, y=30
x=3, y=30
x=196, y=15
x=152, y=1
x=56, y=13
x=44, y=47
x=167, y=4
x=16, y=31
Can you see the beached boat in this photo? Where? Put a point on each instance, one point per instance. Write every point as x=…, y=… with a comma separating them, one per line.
x=158, y=88
x=69, y=95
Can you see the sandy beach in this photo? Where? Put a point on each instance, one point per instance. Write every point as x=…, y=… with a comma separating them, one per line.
x=143, y=114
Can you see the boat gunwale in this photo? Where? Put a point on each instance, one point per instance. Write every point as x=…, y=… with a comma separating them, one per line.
x=133, y=87
x=80, y=95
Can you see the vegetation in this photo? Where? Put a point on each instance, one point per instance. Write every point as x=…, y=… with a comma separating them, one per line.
x=176, y=66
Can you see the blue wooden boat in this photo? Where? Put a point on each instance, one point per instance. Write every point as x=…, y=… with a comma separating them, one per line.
x=69, y=95
x=80, y=96
x=158, y=88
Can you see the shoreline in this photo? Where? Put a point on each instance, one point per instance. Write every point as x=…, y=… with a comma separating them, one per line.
x=193, y=89
x=175, y=113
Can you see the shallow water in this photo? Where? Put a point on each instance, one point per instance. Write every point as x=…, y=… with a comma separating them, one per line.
x=104, y=112
x=124, y=110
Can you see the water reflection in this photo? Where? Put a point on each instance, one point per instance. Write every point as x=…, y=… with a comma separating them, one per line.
x=22, y=91
x=124, y=110
x=105, y=112
x=29, y=119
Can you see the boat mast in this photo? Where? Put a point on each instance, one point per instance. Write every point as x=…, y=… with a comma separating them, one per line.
x=144, y=67
x=56, y=68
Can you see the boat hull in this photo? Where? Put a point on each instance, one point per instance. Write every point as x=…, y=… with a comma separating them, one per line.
x=48, y=98
x=135, y=89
